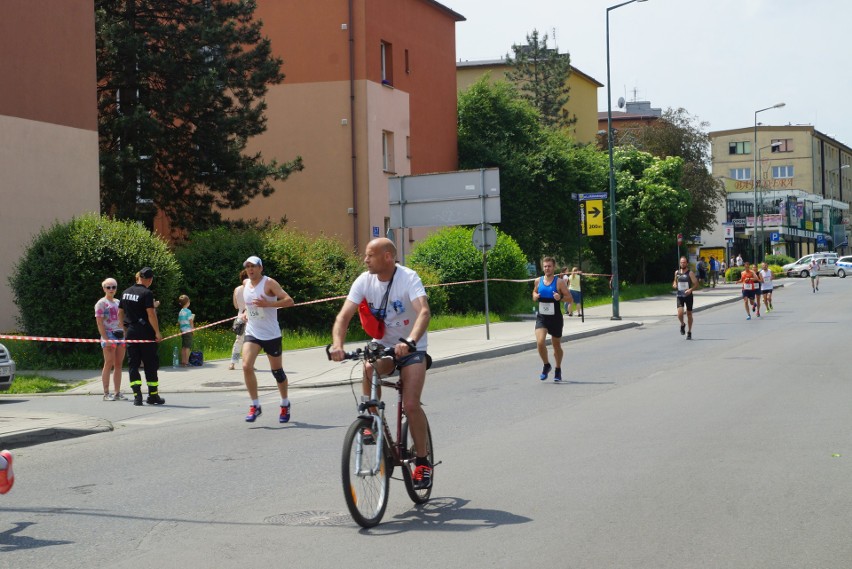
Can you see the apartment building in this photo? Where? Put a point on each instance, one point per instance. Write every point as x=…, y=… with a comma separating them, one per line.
x=788, y=193
x=48, y=125
x=369, y=93
x=583, y=92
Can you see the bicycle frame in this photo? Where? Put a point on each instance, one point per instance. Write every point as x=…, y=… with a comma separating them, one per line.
x=381, y=429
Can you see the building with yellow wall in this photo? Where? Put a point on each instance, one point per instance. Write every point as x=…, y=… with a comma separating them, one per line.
x=583, y=93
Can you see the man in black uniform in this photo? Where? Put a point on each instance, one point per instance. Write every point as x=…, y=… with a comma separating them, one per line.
x=136, y=309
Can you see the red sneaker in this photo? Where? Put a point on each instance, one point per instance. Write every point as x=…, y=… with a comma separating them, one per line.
x=254, y=413
x=7, y=476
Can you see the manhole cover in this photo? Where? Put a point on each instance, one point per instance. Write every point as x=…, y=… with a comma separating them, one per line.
x=223, y=384
x=310, y=518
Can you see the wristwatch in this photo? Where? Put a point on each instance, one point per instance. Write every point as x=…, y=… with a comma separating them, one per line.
x=412, y=342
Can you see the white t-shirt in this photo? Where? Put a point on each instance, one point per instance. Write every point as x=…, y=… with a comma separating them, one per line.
x=766, y=275
x=401, y=315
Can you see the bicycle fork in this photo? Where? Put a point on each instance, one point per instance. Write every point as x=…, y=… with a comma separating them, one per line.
x=378, y=435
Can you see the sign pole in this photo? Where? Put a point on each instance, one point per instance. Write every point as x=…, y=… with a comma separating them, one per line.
x=484, y=256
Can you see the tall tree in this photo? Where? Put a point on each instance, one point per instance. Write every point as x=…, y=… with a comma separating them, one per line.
x=651, y=206
x=180, y=93
x=539, y=167
x=541, y=74
x=677, y=133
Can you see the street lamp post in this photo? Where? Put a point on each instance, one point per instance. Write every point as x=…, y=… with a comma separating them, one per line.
x=612, y=213
x=760, y=201
x=754, y=173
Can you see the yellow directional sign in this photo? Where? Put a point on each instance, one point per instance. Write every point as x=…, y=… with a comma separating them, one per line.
x=594, y=218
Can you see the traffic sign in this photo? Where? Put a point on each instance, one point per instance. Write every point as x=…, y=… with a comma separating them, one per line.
x=594, y=196
x=594, y=217
x=484, y=237
x=680, y=238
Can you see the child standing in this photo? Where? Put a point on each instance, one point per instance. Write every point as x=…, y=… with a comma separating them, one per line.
x=186, y=321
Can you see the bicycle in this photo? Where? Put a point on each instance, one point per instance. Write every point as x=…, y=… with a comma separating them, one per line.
x=370, y=452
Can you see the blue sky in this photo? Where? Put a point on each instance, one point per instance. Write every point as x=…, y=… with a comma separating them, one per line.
x=721, y=60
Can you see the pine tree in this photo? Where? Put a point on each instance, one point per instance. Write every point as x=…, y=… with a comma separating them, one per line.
x=180, y=93
x=541, y=75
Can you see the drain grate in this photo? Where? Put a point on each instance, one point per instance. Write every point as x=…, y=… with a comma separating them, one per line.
x=223, y=384
x=310, y=518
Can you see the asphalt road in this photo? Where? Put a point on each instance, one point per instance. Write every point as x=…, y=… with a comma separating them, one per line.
x=728, y=451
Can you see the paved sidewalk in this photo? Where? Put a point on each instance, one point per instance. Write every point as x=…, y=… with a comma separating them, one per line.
x=309, y=368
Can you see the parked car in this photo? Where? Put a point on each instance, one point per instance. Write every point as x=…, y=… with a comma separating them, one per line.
x=843, y=266
x=802, y=267
x=7, y=369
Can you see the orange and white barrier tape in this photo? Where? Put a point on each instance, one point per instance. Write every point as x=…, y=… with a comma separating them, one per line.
x=210, y=325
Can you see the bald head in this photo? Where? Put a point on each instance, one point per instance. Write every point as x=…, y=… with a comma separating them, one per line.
x=383, y=245
x=380, y=257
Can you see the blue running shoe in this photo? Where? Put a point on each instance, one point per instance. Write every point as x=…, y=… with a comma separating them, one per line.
x=284, y=417
x=557, y=375
x=544, y=371
x=254, y=413
x=748, y=317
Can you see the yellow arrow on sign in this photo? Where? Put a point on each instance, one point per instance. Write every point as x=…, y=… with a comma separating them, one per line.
x=594, y=218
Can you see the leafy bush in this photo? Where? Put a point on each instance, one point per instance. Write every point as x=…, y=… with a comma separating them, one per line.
x=438, y=295
x=780, y=260
x=309, y=268
x=211, y=262
x=451, y=254
x=73, y=258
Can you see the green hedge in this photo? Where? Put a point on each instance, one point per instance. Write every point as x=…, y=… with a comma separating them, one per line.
x=211, y=262
x=57, y=281
x=309, y=268
x=453, y=257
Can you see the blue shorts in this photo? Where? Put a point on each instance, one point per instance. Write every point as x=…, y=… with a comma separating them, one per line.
x=111, y=335
x=576, y=296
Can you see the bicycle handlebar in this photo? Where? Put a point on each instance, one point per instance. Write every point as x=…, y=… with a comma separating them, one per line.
x=371, y=352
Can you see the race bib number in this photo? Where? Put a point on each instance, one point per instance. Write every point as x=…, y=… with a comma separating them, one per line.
x=748, y=286
x=682, y=286
x=546, y=308
x=255, y=312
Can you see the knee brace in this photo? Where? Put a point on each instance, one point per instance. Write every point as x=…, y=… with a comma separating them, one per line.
x=279, y=375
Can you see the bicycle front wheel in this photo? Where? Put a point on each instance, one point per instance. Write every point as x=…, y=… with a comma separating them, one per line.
x=364, y=474
x=417, y=496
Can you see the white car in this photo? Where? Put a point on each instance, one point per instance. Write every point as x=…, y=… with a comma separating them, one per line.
x=843, y=266
x=7, y=369
x=802, y=267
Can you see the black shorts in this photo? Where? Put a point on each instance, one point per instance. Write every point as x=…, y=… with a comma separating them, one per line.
x=186, y=340
x=553, y=324
x=748, y=294
x=685, y=301
x=271, y=347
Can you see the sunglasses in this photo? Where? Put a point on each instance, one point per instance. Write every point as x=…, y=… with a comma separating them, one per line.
x=110, y=287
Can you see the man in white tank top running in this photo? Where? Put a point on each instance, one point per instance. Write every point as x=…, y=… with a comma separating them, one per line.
x=263, y=297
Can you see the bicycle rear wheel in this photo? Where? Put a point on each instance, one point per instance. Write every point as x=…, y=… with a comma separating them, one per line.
x=417, y=496
x=365, y=476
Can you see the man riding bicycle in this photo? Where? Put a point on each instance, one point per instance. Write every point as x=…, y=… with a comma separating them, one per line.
x=395, y=297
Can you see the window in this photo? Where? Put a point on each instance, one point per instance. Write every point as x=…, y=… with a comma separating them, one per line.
x=387, y=63
x=782, y=145
x=408, y=147
x=779, y=172
x=387, y=151
x=740, y=173
x=739, y=147
x=407, y=66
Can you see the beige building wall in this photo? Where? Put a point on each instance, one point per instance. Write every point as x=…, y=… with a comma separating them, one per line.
x=583, y=101
x=48, y=125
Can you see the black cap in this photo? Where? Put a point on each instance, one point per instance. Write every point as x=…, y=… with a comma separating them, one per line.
x=146, y=273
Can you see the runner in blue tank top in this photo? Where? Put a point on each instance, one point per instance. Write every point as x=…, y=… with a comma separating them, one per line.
x=548, y=290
